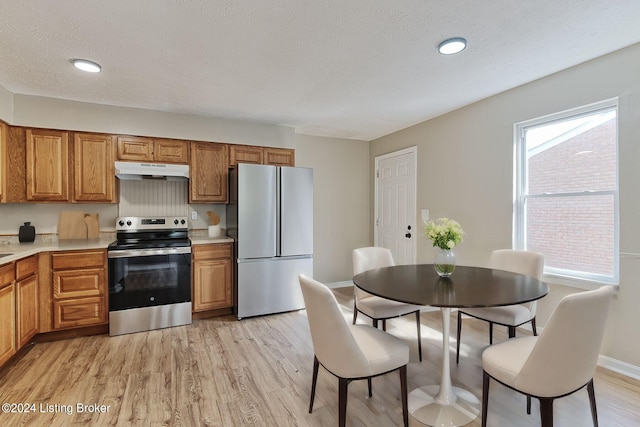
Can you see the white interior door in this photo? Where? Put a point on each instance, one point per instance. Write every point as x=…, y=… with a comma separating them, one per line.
x=395, y=204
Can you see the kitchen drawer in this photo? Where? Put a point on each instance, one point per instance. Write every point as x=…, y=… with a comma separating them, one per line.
x=78, y=283
x=26, y=267
x=79, y=312
x=7, y=275
x=213, y=251
x=78, y=259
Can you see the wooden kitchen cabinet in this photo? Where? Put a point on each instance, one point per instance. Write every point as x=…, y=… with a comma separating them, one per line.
x=47, y=165
x=209, y=173
x=3, y=162
x=26, y=289
x=7, y=313
x=143, y=149
x=212, y=276
x=245, y=154
x=260, y=155
x=94, y=175
x=79, y=288
x=279, y=156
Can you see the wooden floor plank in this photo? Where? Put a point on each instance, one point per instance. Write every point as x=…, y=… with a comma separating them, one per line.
x=257, y=372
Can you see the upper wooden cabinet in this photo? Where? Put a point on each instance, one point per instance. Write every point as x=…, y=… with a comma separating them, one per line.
x=208, y=173
x=142, y=149
x=94, y=177
x=47, y=165
x=260, y=155
x=245, y=154
x=279, y=156
x=3, y=162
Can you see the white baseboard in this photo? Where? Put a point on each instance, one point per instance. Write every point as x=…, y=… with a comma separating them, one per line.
x=619, y=366
x=342, y=284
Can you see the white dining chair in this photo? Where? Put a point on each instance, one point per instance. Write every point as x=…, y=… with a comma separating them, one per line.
x=349, y=352
x=522, y=262
x=375, y=307
x=561, y=361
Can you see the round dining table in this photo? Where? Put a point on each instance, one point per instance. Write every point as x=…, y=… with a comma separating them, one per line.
x=443, y=404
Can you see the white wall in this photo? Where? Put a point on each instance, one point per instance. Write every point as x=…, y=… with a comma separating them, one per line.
x=341, y=201
x=6, y=105
x=465, y=172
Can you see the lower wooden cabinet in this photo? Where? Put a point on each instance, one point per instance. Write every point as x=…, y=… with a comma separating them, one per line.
x=78, y=312
x=212, y=276
x=26, y=299
x=7, y=313
x=79, y=288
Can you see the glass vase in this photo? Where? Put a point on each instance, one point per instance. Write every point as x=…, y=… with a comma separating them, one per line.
x=445, y=262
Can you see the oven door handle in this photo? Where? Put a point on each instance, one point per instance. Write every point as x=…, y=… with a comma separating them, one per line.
x=130, y=253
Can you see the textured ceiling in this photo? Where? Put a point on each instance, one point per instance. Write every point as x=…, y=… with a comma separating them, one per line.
x=355, y=69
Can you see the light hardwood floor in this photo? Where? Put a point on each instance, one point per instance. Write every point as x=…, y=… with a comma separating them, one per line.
x=257, y=372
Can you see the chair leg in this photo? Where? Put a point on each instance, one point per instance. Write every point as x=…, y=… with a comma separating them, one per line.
x=546, y=412
x=342, y=401
x=458, y=337
x=533, y=327
x=512, y=331
x=419, y=335
x=528, y=405
x=490, y=332
x=355, y=312
x=314, y=380
x=369, y=385
x=403, y=392
x=592, y=402
x=384, y=324
x=375, y=323
x=485, y=397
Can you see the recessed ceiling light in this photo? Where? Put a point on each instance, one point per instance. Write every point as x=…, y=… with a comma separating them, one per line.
x=85, y=65
x=452, y=45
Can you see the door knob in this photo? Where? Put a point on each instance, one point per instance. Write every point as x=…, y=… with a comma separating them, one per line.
x=408, y=235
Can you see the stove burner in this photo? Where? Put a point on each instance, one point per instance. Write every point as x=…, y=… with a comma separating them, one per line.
x=143, y=233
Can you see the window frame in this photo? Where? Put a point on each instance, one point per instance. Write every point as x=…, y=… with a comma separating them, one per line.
x=562, y=276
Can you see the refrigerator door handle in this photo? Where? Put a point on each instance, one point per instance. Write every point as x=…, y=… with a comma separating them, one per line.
x=278, y=213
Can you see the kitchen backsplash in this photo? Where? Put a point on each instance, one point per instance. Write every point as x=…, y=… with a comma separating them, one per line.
x=137, y=198
x=150, y=197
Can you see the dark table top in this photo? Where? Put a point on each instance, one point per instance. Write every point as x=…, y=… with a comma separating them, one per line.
x=467, y=287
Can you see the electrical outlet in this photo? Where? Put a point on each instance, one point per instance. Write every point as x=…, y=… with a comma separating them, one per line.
x=425, y=215
x=194, y=215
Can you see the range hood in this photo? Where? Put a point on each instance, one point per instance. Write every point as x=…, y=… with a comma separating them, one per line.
x=137, y=171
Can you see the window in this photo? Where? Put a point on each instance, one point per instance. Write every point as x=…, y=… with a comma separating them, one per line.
x=566, y=198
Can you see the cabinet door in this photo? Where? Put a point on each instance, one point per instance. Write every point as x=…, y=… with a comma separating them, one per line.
x=279, y=156
x=135, y=148
x=27, y=309
x=209, y=173
x=47, y=165
x=7, y=313
x=3, y=162
x=171, y=151
x=245, y=154
x=212, y=284
x=94, y=176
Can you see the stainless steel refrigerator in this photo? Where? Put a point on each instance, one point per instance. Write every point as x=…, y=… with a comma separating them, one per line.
x=270, y=216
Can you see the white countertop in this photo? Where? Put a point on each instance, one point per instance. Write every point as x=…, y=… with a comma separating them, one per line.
x=22, y=250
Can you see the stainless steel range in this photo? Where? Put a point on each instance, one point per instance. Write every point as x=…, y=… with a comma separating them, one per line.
x=149, y=274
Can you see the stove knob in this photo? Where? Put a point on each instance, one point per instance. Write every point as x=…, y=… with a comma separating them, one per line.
x=182, y=221
x=175, y=221
x=129, y=223
x=121, y=223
